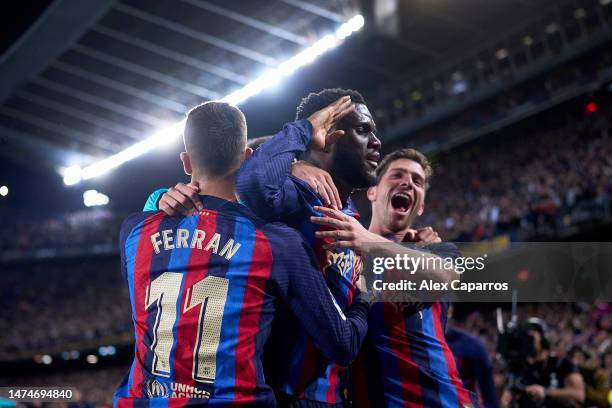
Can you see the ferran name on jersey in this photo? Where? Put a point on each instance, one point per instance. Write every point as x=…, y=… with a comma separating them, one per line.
x=183, y=238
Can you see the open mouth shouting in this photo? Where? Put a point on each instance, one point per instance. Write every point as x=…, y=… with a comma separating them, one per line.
x=401, y=202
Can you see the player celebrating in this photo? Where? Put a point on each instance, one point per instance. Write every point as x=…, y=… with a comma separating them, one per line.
x=297, y=371
x=409, y=363
x=204, y=288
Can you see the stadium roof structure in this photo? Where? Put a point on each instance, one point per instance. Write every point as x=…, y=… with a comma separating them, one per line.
x=89, y=79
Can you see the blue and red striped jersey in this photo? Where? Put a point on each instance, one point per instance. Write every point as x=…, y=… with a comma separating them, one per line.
x=406, y=361
x=474, y=365
x=204, y=291
x=266, y=186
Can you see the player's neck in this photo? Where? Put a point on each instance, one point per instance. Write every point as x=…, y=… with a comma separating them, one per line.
x=344, y=190
x=221, y=188
x=379, y=228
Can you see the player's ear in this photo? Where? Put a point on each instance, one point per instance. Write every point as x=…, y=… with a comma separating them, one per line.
x=186, y=163
x=247, y=153
x=421, y=208
x=372, y=193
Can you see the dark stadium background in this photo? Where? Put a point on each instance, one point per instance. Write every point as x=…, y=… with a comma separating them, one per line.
x=492, y=91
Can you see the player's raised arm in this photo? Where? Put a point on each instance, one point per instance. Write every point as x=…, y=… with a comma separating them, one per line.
x=338, y=335
x=263, y=181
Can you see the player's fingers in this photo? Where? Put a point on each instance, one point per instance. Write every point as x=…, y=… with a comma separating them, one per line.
x=336, y=214
x=180, y=198
x=341, y=102
x=346, y=109
x=335, y=234
x=330, y=222
x=338, y=245
x=334, y=192
x=322, y=191
x=167, y=209
x=410, y=236
x=192, y=198
x=329, y=190
x=332, y=138
x=175, y=205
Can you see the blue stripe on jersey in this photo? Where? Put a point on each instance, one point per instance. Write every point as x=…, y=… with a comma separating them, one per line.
x=238, y=266
x=131, y=246
x=179, y=260
x=419, y=354
x=159, y=402
x=159, y=265
x=387, y=357
x=308, y=229
x=447, y=392
x=297, y=359
x=126, y=384
x=321, y=387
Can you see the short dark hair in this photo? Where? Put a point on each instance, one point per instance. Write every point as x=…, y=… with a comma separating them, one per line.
x=258, y=141
x=317, y=101
x=215, y=138
x=410, y=154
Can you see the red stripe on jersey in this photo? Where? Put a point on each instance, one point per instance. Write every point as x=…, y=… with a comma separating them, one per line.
x=178, y=402
x=248, y=325
x=142, y=280
x=333, y=382
x=124, y=403
x=462, y=394
x=359, y=381
x=308, y=370
x=398, y=343
x=188, y=323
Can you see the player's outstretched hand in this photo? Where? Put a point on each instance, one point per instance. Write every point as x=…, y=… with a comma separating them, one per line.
x=182, y=199
x=320, y=181
x=324, y=120
x=347, y=231
x=424, y=236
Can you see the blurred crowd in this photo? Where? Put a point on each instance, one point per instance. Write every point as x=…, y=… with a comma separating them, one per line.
x=398, y=105
x=23, y=230
x=62, y=305
x=525, y=181
x=92, y=388
x=577, y=331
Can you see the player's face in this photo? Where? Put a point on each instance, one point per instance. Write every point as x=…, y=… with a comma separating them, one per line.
x=357, y=153
x=399, y=196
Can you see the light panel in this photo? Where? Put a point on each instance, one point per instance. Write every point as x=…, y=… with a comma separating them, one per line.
x=74, y=174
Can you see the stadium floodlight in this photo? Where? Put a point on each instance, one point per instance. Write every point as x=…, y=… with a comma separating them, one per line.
x=74, y=174
x=92, y=198
x=4, y=191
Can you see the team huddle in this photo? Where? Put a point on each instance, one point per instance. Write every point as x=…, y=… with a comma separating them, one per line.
x=247, y=284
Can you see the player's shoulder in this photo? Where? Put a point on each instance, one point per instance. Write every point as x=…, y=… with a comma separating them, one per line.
x=137, y=220
x=444, y=249
x=306, y=191
x=282, y=236
x=279, y=230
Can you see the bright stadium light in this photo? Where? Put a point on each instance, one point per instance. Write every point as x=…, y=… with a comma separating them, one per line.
x=92, y=198
x=4, y=191
x=74, y=174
